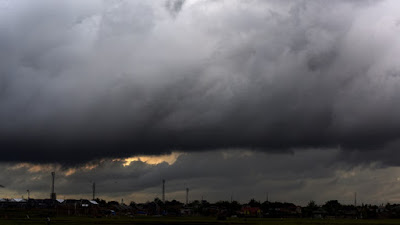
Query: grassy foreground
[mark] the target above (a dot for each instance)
(191, 221)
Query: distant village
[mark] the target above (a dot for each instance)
(222, 210)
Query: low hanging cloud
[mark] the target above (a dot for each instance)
(115, 78)
(217, 175)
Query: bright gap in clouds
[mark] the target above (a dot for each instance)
(152, 160)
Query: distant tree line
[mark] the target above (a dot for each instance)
(220, 209)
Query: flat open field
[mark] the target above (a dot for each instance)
(191, 221)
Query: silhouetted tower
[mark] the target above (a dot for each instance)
(355, 199)
(94, 190)
(163, 191)
(28, 194)
(53, 195)
(187, 196)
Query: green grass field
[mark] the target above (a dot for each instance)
(190, 221)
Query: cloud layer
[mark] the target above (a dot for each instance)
(82, 81)
(217, 175)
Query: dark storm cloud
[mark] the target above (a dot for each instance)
(174, 6)
(118, 78)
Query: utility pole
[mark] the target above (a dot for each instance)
(355, 199)
(94, 190)
(163, 191)
(53, 195)
(187, 196)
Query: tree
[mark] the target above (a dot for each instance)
(308, 210)
(158, 202)
(235, 206)
(132, 204)
(254, 203)
(332, 207)
(265, 206)
(222, 204)
(311, 205)
(110, 203)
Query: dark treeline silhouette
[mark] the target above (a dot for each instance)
(220, 209)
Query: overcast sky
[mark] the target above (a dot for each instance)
(249, 97)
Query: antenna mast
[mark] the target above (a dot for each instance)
(94, 190)
(355, 199)
(187, 196)
(163, 191)
(53, 195)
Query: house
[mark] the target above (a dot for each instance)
(319, 214)
(186, 211)
(249, 211)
